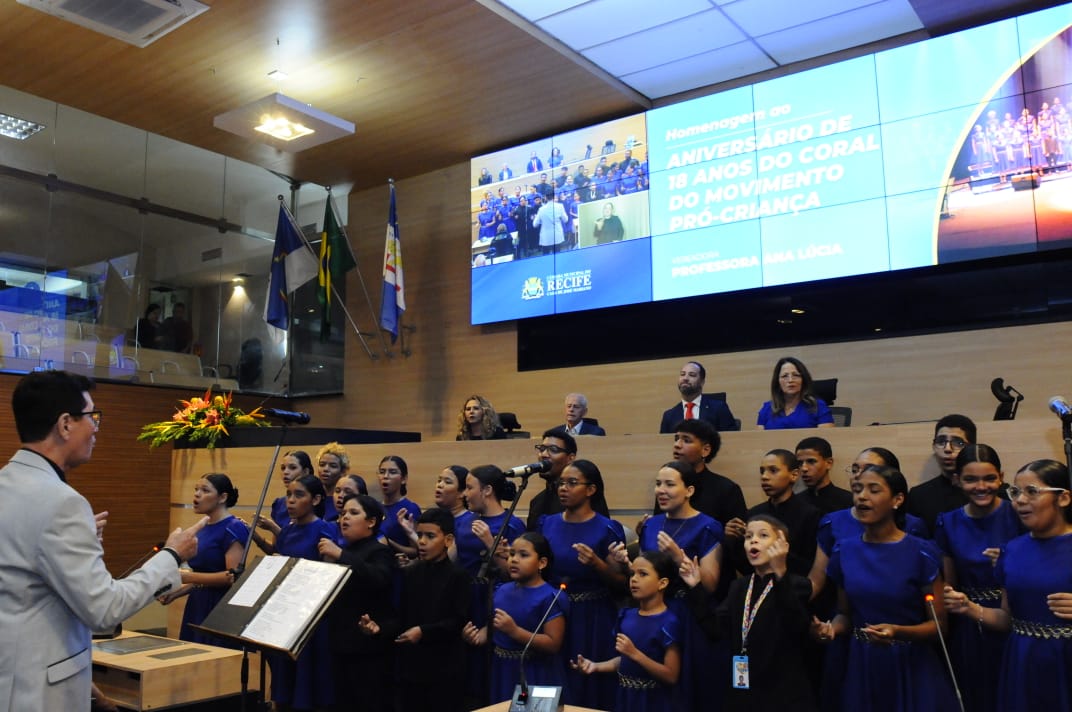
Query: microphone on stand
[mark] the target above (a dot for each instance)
(1061, 407)
(523, 471)
(291, 417)
(929, 598)
(546, 698)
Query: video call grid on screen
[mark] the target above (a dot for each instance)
(951, 149)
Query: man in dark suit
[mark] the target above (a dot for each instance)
(696, 406)
(576, 409)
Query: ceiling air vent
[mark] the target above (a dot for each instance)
(139, 22)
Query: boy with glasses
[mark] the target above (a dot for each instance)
(941, 494)
(560, 449)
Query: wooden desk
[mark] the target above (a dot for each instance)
(160, 677)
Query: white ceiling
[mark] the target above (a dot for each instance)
(673, 46)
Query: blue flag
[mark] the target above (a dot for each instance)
(394, 293)
(293, 264)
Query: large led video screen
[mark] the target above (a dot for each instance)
(952, 149)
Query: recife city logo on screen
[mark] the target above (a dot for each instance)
(566, 283)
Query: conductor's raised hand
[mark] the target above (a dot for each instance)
(184, 541)
(101, 520)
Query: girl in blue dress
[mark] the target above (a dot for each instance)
(685, 533)
(580, 539)
(449, 495)
(971, 539)
(301, 684)
(294, 464)
(394, 473)
(882, 580)
(835, 527)
(647, 640)
(485, 489)
(219, 550)
(345, 486)
(519, 607)
(333, 467)
(1035, 573)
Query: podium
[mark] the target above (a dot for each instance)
(147, 672)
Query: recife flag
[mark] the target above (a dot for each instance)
(293, 264)
(336, 260)
(394, 293)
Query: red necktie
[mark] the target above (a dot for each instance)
(688, 411)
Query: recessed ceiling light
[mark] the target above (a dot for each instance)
(796, 311)
(16, 128)
(277, 75)
(292, 125)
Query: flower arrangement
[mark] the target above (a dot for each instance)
(201, 419)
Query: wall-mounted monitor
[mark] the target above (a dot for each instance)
(952, 149)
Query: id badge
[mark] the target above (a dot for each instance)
(740, 672)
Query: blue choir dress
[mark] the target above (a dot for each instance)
(697, 536)
(834, 527)
(526, 605)
(886, 583)
(971, 647)
(471, 554)
(279, 512)
(302, 683)
(1036, 671)
(592, 609)
(652, 635)
(213, 541)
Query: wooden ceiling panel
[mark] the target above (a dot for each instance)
(427, 84)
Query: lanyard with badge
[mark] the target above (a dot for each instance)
(739, 673)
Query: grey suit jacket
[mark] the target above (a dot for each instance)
(55, 589)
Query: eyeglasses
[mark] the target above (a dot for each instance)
(95, 416)
(1032, 491)
(955, 443)
(571, 483)
(553, 449)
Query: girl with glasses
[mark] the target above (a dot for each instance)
(792, 404)
(1035, 574)
(581, 539)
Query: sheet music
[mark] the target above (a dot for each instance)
(286, 614)
(258, 581)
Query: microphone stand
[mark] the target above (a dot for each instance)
(941, 639)
(1066, 433)
(238, 571)
(484, 573)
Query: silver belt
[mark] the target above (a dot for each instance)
(859, 634)
(1041, 630)
(636, 683)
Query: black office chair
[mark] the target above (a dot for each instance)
(591, 421)
(509, 423)
(842, 416)
(825, 389)
(1008, 399)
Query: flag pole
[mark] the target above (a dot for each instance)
(335, 294)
